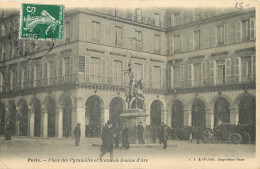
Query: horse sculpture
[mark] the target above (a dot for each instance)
(135, 90)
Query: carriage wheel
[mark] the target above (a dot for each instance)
(246, 137)
(235, 138)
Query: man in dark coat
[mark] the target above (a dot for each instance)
(165, 136)
(77, 134)
(8, 131)
(107, 138)
(161, 133)
(140, 131)
(116, 134)
(125, 143)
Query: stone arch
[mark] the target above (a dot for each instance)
(177, 114)
(221, 111)
(212, 102)
(94, 115)
(190, 102)
(22, 118)
(247, 110)
(156, 111)
(2, 118)
(240, 97)
(116, 107)
(11, 118)
(198, 113)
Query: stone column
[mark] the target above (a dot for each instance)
(31, 121)
(60, 123)
(168, 118)
(234, 115)
(187, 117)
(148, 120)
(209, 118)
(81, 119)
(105, 117)
(45, 123)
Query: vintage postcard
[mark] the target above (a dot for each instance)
(129, 84)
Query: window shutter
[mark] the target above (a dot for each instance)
(226, 33)
(111, 71)
(87, 68)
(202, 38)
(213, 72)
(112, 35)
(253, 68)
(145, 75)
(125, 75)
(181, 72)
(252, 28)
(237, 71)
(181, 42)
(214, 36)
(228, 70)
(89, 30)
(104, 70)
(102, 33)
(203, 73)
(71, 66)
(163, 78)
(238, 31)
(151, 76)
(169, 76)
(1, 82)
(192, 41)
(171, 44)
(172, 20)
(71, 30)
(190, 75)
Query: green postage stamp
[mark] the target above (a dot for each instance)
(41, 21)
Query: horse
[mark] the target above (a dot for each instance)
(137, 92)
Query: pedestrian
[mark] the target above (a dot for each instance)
(77, 134)
(107, 138)
(199, 134)
(8, 131)
(165, 137)
(153, 133)
(140, 131)
(192, 133)
(161, 133)
(116, 135)
(125, 143)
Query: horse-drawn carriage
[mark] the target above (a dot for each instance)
(235, 134)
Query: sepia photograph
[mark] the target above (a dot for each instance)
(128, 85)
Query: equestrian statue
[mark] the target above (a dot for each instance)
(135, 88)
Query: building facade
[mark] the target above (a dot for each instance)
(197, 66)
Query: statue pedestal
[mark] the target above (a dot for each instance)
(132, 117)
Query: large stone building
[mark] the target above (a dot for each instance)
(197, 66)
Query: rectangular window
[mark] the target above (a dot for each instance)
(221, 74)
(197, 74)
(245, 30)
(118, 74)
(67, 31)
(118, 12)
(237, 71)
(220, 35)
(252, 28)
(96, 31)
(118, 36)
(138, 38)
(177, 45)
(228, 71)
(238, 31)
(95, 70)
(203, 73)
(157, 77)
(176, 77)
(138, 14)
(157, 19)
(197, 39)
(190, 75)
(138, 71)
(157, 43)
(175, 19)
(213, 72)
(182, 72)
(82, 64)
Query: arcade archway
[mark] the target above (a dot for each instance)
(94, 107)
(156, 113)
(177, 119)
(22, 118)
(247, 110)
(115, 109)
(37, 117)
(12, 116)
(2, 118)
(221, 111)
(198, 114)
(51, 110)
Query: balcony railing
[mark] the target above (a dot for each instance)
(229, 80)
(74, 79)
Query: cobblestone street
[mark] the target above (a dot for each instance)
(57, 151)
